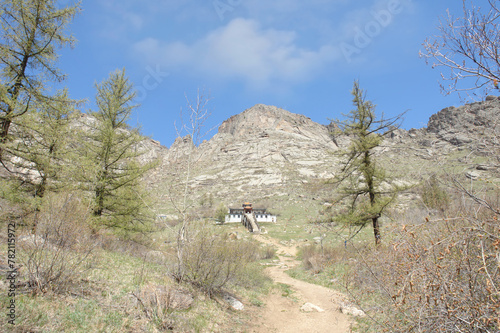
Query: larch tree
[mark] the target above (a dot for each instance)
(43, 139)
(32, 30)
(112, 169)
(362, 182)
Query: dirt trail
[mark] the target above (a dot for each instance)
(283, 314)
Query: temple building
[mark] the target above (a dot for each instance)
(235, 215)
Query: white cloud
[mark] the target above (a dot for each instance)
(241, 50)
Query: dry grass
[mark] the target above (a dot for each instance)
(266, 252)
(76, 281)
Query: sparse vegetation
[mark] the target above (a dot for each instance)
(57, 252)
(433, 195)
(211, 261)
(74, 190)
(285, 289)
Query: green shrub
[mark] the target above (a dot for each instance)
(220, 213)
(433, 195)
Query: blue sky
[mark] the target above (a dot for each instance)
(297, 55)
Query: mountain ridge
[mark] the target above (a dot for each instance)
(268, 152)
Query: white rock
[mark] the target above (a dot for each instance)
(309, 307)
(234, 303)
(472, 175)
(346, 308)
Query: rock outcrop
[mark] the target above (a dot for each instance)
(262, 119)
(267, 152)
(467, 123)
(262, 151)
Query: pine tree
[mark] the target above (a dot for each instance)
(112, 170)
(363, 182)
(31, 31)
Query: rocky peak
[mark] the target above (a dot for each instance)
(463, 124)
(261, 120)
(267, 153)
(181, 142)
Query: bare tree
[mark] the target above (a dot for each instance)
(192, 127)
(198, 113)
(468, 49)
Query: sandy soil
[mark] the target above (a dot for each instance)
(283, 314)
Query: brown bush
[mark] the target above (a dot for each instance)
(437, 276)
(210, 260)
(315, 257)
(267, 252)
(158, 302)
(57, 251)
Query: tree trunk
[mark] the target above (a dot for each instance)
(99, 195)
(371, 192)
(4, 130)
(15, 91)
(376, 231)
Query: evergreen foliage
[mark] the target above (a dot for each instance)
(31, 32)
(111, 150)
(433, 195)
(221, 212)
(42, 145)
(363, 182)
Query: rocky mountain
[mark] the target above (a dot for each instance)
(267, 154)
(262, 119)
(468, 123)
(284, 161)
(264, 151)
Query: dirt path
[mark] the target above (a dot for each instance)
(283, 314)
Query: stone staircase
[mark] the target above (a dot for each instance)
(250, 222)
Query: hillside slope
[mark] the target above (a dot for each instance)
(268, 155)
